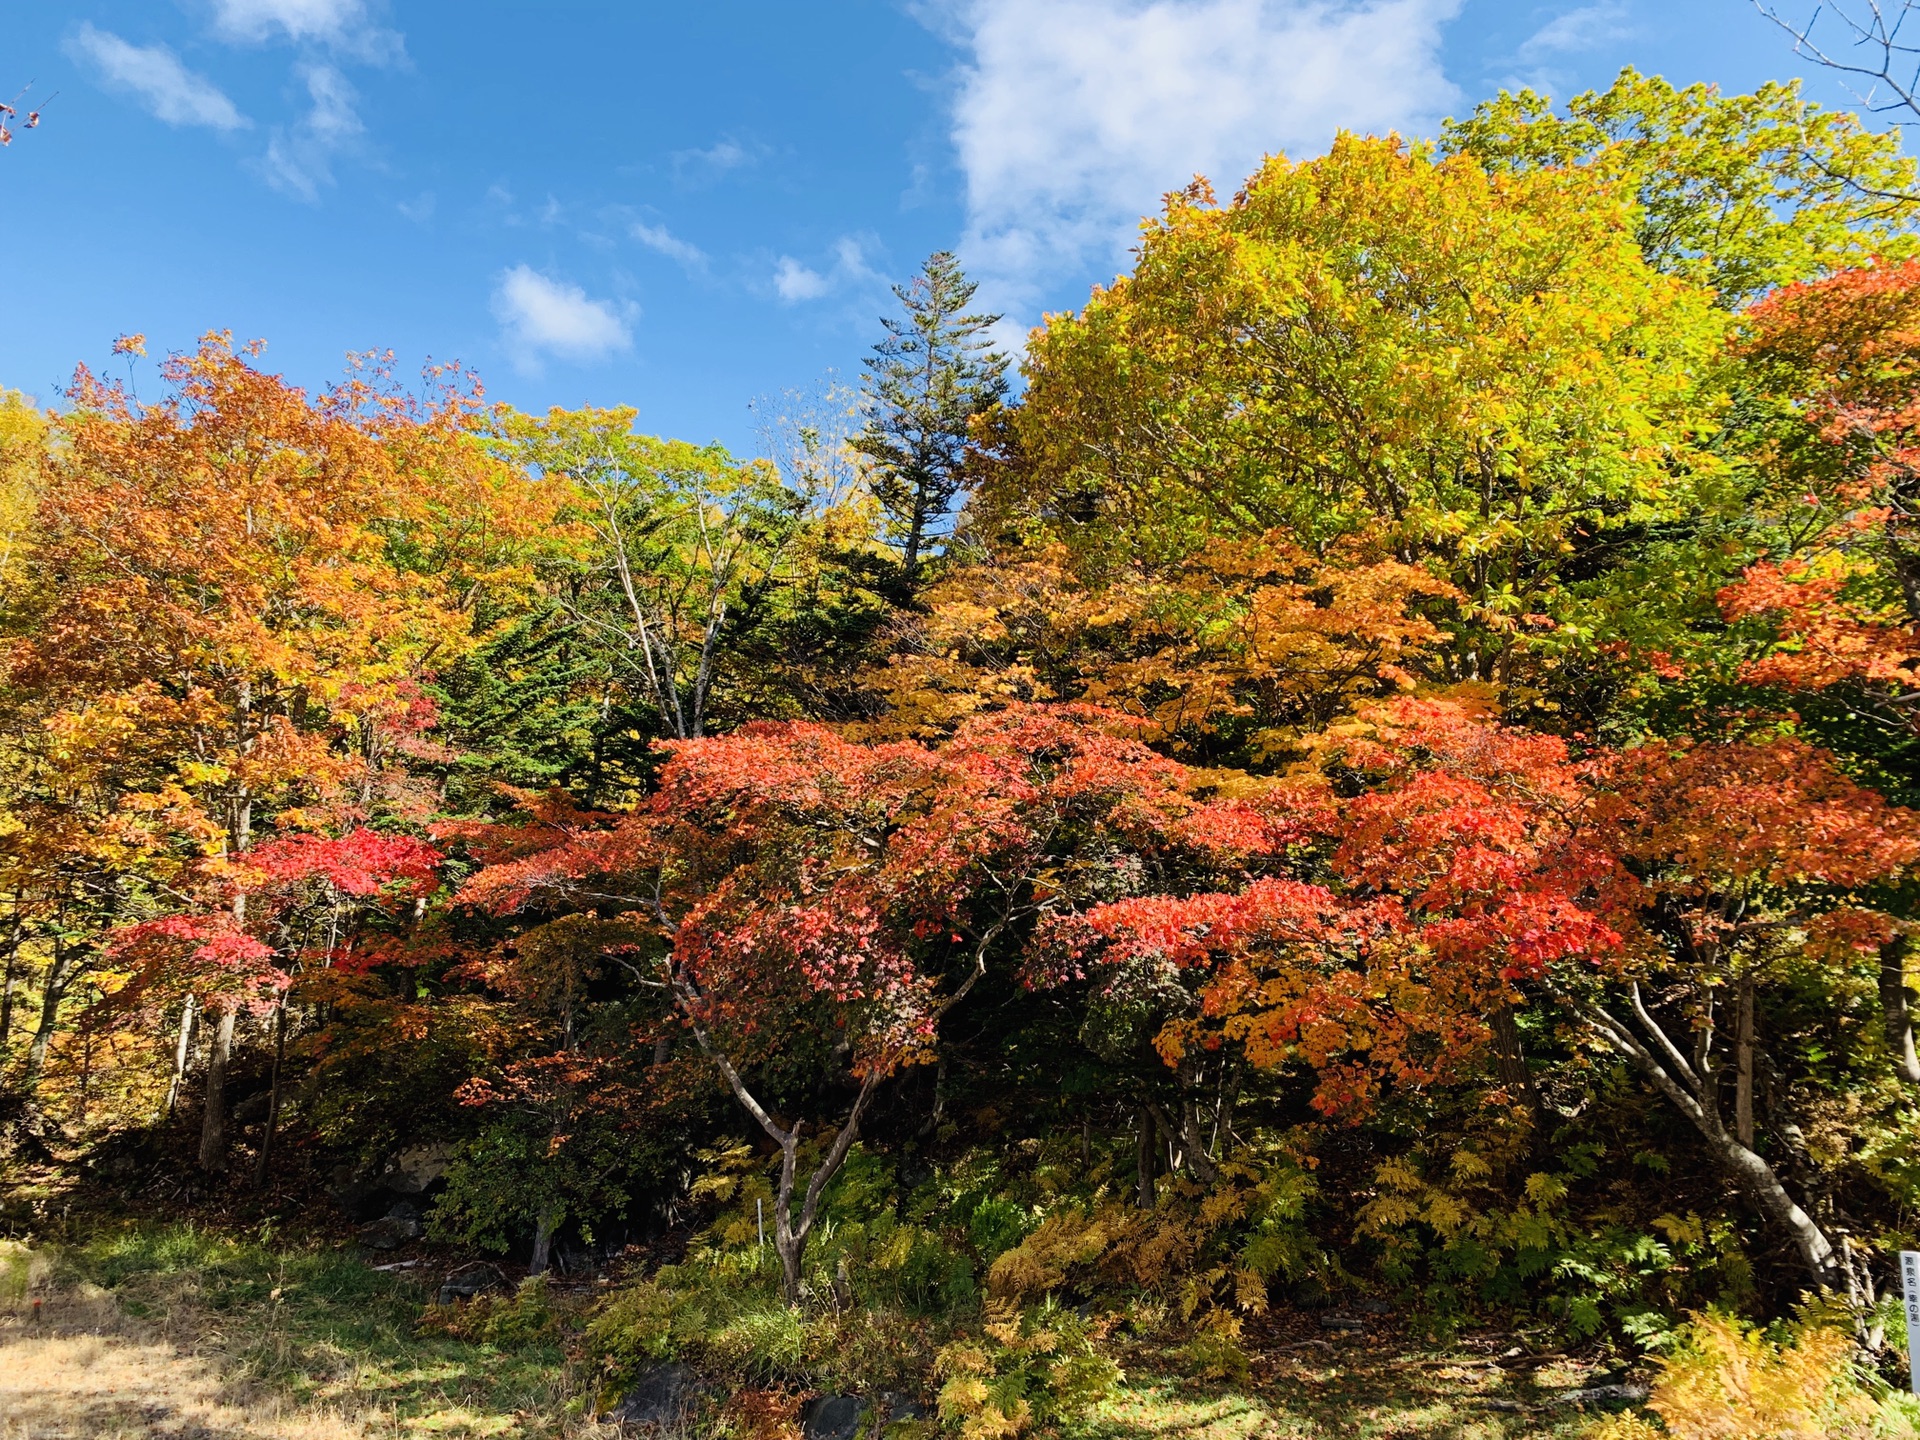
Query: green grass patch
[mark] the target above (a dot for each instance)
(327, 1328)
(1370, 1403)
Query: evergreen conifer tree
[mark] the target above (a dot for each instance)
(925, 382)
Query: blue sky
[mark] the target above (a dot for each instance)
(684, 206)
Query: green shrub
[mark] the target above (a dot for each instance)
(507, 1322)
(1038, 1370)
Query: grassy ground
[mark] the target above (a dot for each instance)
(170, 1331)
(1363, 1402)
(174, 1323)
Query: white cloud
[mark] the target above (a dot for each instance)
(794, 281)
(300, 161)
(542, 316)
(342, 24)
(154, 73)
(664, 241)
(1586, 28)
(1073, 117)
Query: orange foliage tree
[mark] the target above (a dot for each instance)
(238, 593)
(1395, 916)
(1240, 649)
(1842, 589)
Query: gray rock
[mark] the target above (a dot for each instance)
(1625, 1394)
(392, 1230)
(1603, 1395)
(417, 1168)
(898, 1409)
(832, 1417)
(662, 1395)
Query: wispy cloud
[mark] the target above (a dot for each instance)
(299, 161)
(343, 25)
(663, 241)
(154, 75)
(1073, 117)
(794, 281)
(710, 162)
(540, 317)
(1586, 28)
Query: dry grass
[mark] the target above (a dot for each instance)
(189, 1354)
(83, 1371)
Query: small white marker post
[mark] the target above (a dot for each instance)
(760, 1214)
(1910, 1284)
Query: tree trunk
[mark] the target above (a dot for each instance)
(916, 530)
(1511, 1060)
(213, 1123)
(789, 1235)
(1145, 1198)
(543, 1241)
(1743, 1065)
(1185, 1134)
(6, 993)
(61, 972)
(1896, 1004)
(273, 1095)
(1676, 1078)
(180, 1051)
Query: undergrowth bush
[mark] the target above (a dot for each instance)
(1724, 1379)
(525, 1317)
(1032, 1370)
(997, 1278)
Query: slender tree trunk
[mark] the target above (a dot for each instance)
(6, 1013)
(180, 1051)
(790, 1234)
(213, 1123)
(273, 1095)
(931, 1124)
(1896, 1004)
(1194, 1143)
(1661, 1061)
(61, 971)
(1185, 1133)
(6, 993)
(1148, 1158)
(1743, 1064)
(916, 531)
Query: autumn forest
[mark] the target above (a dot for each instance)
(1363, 780)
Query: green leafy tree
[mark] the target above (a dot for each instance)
(936, 370)
(1739, 192)
(1473, 372)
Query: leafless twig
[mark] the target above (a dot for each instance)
(1872, 42)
